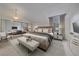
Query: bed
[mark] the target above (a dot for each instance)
(45, 39)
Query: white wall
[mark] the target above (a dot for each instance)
(9, 24)
(75, 18)
(6, 25)
(2, 25)
(72, 17)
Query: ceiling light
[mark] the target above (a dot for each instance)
(15, 17)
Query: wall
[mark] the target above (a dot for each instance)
(75, 37)
(2, 25)
(9, 25)
(75, 18)
(6, 25)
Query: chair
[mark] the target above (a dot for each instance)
(3, 35)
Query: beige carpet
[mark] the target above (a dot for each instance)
(11, 48)
(6, 49)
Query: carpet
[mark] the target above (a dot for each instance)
(11, 48)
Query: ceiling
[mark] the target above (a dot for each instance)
(37, 13)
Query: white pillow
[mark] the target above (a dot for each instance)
(51, 34)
